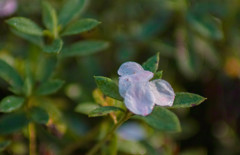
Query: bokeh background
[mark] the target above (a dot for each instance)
(199, 45)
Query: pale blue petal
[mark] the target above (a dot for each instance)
(127, 80)
(132, 131)
(163, 92)
(129, 68)
(139, 99)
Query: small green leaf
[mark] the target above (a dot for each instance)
(157, 75)
(131, 147)
(102, 111)
(86, 108)
(162, 119)
(84, 48)
(25, 25)
(70, 10)
(4, 144)
(185, 100)
(10, 75)
(49, 87)
(49, 16)
(54, 47)
(12, 122)
(108, 87)
(39, 115)
(152, 63)
(11, 103)
(80, 26)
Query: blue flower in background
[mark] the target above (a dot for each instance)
(140, 95)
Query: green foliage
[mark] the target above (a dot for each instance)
(11, 103)
(86, 108)
(152, 63)
(38, 115)
(4, 144)
(84, 48)
(10, 75)
(158, 75)
(49, 87)
(25, 25)
(80, 26)
(12, 122)
(185, 100)
(104, 110)
(162, 119)
(55, 47)
(49, 16)
(108, 87)
(70, 10)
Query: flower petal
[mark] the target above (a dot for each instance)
(163, 92)
(127, 80)
(129, 68)
(139, 99)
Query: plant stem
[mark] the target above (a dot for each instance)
(125, 117)
(32, 139)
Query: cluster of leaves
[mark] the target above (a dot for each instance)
(162, 118)
(58, 26)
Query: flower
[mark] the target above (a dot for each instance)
(139, 93)
(7, 7)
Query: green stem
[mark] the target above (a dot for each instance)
(32, 139)
(125, 117)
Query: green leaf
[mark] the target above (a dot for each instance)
(49, 16)
(86, 108)
(158, 75)
(70, 10)
(152, 63)
(49, 87)
(25, 25)
(55, 47)
(108, 87)
(11, 103)
(131, 147)
(102, 111)
(4, 144)
(39, 115)
(80, 26)
(12, 122)
(37, 40)
(10, 75)
(84, 48)
(185, 100)
(162, 119)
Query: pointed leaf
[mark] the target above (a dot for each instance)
(25, 25)
(108, 87)
(39, 115)
(70, 10)
(101, 111)
(80, 26)
(49, 16)
(152, 63)
(11, 103)
(185, 100)
(10, 75)
(12, 123)
(49, 87)
(86, 108)
(157, 75)
(162, 119)
(54, 47)
(84, 48)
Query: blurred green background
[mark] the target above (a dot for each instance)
(199, 45)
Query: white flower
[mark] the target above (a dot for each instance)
(140, 95)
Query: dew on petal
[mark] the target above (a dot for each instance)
(139, 99)
(129, 68)
(163, 92)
